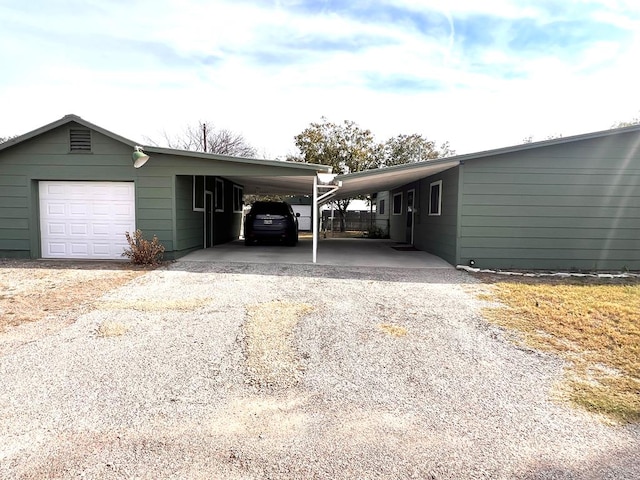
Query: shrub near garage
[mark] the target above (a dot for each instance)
(142, 251)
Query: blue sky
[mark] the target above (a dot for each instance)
(477, 74)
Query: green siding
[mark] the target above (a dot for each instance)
(189, 224)
(47, 157)
(437, 234)
(573, 206)
(163, 189)
(433, 234)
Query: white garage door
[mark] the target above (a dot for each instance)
(86, 219)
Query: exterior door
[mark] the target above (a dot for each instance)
(411, 194)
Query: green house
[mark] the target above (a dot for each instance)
(70, 190)
(565, 204)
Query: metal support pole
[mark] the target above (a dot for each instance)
(315, 218)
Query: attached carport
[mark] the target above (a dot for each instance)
(272, 177)
(324, 190)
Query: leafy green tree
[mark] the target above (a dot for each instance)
(628, 123)
(412, 148)
(348, 148)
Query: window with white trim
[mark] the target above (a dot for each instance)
(198, 193)
(435, 198)
(397, 203)
(380, 207)
(237, 199)
(219, 195)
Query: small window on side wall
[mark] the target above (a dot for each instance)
(381, 207)
(397, 204)
(219, 195)
(237, 199)
(198, 193)
(435, 198)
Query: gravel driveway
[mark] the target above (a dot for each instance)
(237, 371)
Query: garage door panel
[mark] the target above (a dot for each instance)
(118, 230)
(56, 209)
(78, 230)
(100, 230)
(102, 250)
(56, 229)
(86, 219)
(79, 249)
(77, 209)
(101, 210)
(53, 189)
(56, 249)
(122, 210)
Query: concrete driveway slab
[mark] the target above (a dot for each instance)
(351, 252)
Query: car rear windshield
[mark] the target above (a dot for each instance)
(272, 208)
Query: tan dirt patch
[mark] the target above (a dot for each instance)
(271, 356)
(393, 330)
(40, 297)
(111, 329)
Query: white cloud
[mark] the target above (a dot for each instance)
(267, 70)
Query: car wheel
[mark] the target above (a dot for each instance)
(248, 242)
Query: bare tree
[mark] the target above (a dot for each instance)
(205, 137)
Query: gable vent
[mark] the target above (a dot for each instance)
(80, 140)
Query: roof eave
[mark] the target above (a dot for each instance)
(229, 158)
(61, 122)
(549, 143)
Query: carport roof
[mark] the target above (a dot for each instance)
(382, 179)
(290, 178)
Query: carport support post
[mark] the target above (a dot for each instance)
(326, 179)
(314, 218)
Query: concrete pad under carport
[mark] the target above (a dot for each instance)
(352, 252)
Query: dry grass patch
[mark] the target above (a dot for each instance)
(111, 329)
(393, 330)
(145, 305)
(594, 327)
(271, 356)
(32, 290)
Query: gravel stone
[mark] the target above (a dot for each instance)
(452, 398)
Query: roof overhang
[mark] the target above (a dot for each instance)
(382, 179)
(275, 177)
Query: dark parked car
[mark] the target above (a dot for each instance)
(271, 221)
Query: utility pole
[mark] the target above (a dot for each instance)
(204, 137)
